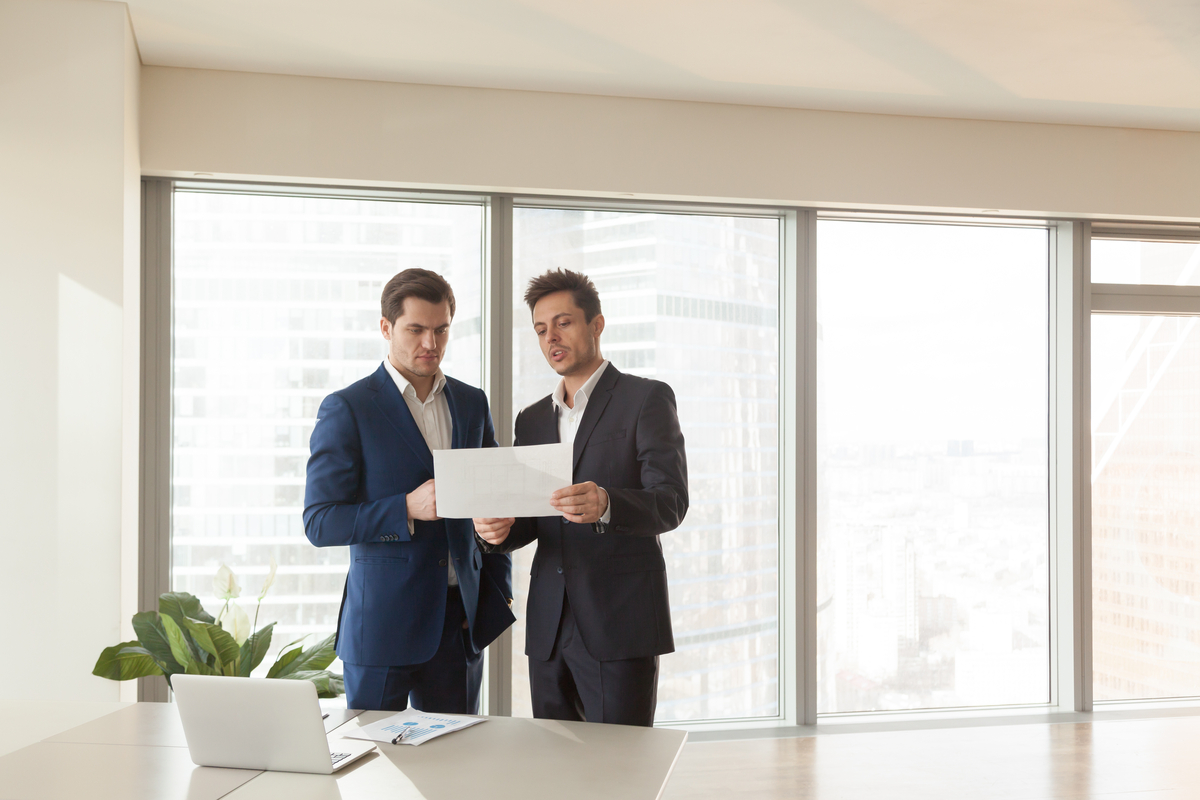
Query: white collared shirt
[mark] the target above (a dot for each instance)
(569, 418)
(433, 420)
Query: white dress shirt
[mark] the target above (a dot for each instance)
(568, 418)
(433, 420)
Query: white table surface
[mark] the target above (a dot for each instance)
(139, 752)
(501, 759)
(74, 771)
(25, 722)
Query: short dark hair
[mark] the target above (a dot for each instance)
(582, 290)
(416, 282)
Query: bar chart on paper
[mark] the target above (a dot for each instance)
(415, 726)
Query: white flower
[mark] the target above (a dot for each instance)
(225, 585)
(236, 623)
(270, 579)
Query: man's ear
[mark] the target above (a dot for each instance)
(599, 323)
(385, 328)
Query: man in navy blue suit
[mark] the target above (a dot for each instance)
(421, 601)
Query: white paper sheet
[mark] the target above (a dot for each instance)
(500, 481)
(417, 727)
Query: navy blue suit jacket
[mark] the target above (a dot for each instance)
(367, 454)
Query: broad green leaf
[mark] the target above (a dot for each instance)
(199, 668)
(317, 657)
(283, 662)
(178, 605)
(228, 651)
(153, 637)
(213, 640)
(124, 661)
(329, 684)
(179, 646)
(254, 650)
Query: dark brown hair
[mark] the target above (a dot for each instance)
(582, 290)
(416, 282)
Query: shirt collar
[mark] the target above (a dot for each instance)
(582, 394)
(439, 382)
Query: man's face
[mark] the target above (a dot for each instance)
(417, 342)
(568, 341)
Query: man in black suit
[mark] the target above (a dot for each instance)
(598, 616)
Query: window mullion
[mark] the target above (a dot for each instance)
(498, 380)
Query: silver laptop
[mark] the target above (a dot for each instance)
(256, 723)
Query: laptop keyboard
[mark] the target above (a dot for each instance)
(339, 756)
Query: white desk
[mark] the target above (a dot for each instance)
(25, 722)
(139, 752)
(505, 758)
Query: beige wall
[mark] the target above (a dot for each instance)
(68, 243)
(325, 130)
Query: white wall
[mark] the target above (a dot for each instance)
(68, 251)
(251, 125)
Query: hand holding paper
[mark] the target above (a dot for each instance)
(493, 530)
(584, 502)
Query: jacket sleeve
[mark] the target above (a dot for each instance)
(333, 514)
(660, 505)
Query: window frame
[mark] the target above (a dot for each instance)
(1072, 298)
(1131, 299)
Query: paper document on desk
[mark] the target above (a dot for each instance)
(415, 727)
(501, 481)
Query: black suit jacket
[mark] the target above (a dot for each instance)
(629, 443)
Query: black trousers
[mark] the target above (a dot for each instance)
(448, 683)
(572, 685)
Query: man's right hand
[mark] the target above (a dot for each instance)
(493, 530)
(422, 502)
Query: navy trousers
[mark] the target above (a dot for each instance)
(448, 683)
(572, 685)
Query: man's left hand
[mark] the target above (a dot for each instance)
(583, 502)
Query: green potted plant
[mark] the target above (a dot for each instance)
(182, 637)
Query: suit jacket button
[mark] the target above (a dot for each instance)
(560, 570)
(442, 563)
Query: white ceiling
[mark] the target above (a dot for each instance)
(1105, 62)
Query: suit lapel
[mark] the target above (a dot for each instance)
(457, 432)
(395, 411)
(595, 408)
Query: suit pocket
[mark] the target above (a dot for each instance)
(381, 560)
(606, 437)
(649, 562)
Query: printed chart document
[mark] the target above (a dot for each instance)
(413, 727)
(501, 481)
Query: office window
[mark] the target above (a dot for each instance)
(933, 577)
(693, 301)
(1162, 263)
(277, 305)
(1145, 484)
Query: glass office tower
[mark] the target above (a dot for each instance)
(693, 301)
